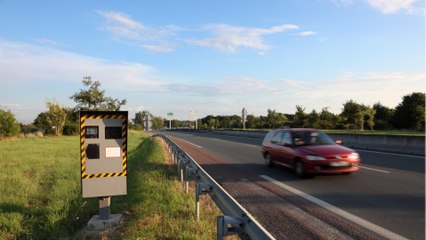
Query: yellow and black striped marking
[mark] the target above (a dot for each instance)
(102, 115)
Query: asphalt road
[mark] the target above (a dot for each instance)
(384, 199)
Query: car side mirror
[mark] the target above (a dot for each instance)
(339, 142)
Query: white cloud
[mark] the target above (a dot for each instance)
(225, 37)
(123, 27)
(229, 86)
(393, 6)
(157, 48)
(230, 38)
(305, 34)
(389, 6)
(30, 74)
(47, 41)
(370, 88)
(122, 19)
(342, 2)
(26, 63)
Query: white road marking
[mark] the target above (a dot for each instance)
(393, 154)
(195, 145)
(371, 226)
(254, 146)
(374, 169)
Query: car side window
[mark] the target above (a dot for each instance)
(276, 139)
(286, 138)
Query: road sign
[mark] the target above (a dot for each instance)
(170, 116)
(244, 115)
(147, 124)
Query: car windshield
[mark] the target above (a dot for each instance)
(311, 138)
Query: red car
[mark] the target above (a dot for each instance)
(308, 151)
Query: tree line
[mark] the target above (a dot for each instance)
(408, 115)
(58, 120)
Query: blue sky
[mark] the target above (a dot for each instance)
(212, 57)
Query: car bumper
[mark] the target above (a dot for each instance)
(328, 168)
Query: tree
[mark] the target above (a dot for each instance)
(383, 116)
(328, 120)
(157, 122)
(275, 119)
(253, 121)
(410, 113)
(301, 118)
(369, 113)
(56, 116)
(355, 115)
(72, 123)
(313, 119)
(213, 123)
(42, 124)
(94, 98)
(352, 115)
(9, 126)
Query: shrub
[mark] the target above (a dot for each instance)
(70, 129)
(8, 124)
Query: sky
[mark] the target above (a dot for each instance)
(211, 57)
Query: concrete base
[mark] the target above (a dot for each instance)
(97, 225)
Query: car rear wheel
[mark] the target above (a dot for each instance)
(299, 169)
(268, 160)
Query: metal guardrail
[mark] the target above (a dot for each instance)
(235, 219)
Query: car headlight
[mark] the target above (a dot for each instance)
(353, 156)
(314, 158)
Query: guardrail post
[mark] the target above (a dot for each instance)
(181, 175)
(227, 225)
(190, 174)
(178, 159)
(200, 189)
(173, 157)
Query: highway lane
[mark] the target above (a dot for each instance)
(389, 191)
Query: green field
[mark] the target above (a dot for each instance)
(41, 197)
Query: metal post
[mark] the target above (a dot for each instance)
(104, 208)
(181, 175)
(244, 116)
(200, 189)
(173, 157)
(186, 187)
(197, 209)
(197, 201)
(178, 164)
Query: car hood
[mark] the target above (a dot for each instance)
(325, 150)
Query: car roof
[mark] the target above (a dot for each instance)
(297, 129)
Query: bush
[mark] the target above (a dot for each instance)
(28, 128)
(137, 127)
(8, 124)
(71, 129)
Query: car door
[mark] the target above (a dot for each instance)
(286, 149)
(275, 148)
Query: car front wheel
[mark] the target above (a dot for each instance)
(268, 160)
(299, 168)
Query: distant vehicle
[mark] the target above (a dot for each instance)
(308, 151)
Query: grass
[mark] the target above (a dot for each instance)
(41, 197)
